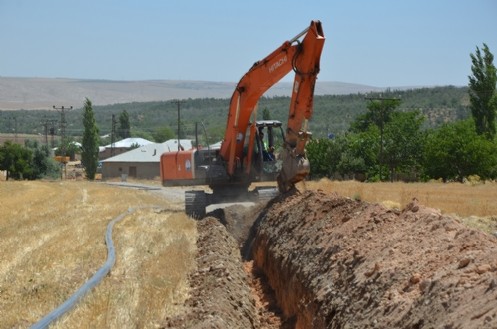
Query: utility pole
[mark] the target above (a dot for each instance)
(112, 135)
(45, 130)
(63, 122)
(48, 128)
(52, 132)
(178, 103)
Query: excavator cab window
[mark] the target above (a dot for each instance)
(266, 148)
(268, 143)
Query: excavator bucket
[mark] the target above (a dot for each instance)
(294, 169)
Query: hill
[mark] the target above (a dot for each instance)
(332, 113)
(43, 93)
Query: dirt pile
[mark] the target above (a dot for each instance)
(338, 263)
(220, 291)
(227, 291)
(319, 260)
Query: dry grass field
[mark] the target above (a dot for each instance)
(20, 138)
(474, 204)
(52, 241)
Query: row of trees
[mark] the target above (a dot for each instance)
(388, 144)
(33, 161)
(404, 151)
(30, 161)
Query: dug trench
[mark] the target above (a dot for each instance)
(318, 260)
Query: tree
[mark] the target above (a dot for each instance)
(403, 144)
(380, 112)
(360, 154)
(455, 151)
(16, 160)
(482, 93)
(124, 126)
(323, 155)
(42, 164)
(89, 154)
(265, 114)
(162, 134)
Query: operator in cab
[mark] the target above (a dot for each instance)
(267, 151)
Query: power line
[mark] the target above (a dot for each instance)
(63, 123)
(112, 135)
(49, 129)
(63, 135)
(178, 103)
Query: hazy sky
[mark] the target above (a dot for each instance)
(375, 42)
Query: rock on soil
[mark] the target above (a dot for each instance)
(333, 262)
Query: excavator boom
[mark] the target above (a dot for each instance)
(244, 157)
(303, 58)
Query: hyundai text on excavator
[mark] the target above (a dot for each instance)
(244, 156)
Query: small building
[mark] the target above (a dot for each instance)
(121, 146)
(142, 162)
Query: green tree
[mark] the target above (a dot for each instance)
(16, 160)
(482, 93)
(265, 114)
(214, 134)
(89, 154)
(360, 154)
(403, 144)
(323, 155)
(163, 134)
(379, 113)
(143, 134)
(124, 126)
(455, 151)
(42, 164)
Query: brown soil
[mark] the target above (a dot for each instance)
(318, 260)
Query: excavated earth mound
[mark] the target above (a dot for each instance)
(338, 263)
(333, 262)
(220, 292)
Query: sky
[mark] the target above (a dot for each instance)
(381, 43)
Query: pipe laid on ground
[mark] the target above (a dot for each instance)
(90, 284)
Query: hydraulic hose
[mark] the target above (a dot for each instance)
(88, 285)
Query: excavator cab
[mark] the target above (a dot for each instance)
(268, 144)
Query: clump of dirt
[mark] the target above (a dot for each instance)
(339, 263)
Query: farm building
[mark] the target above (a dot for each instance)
(121, 146)
(142, 162)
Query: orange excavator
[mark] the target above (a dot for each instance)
(254, 151)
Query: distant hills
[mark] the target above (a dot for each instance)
(335, 105)
(43, 93)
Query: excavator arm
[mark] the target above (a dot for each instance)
(301, 56)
